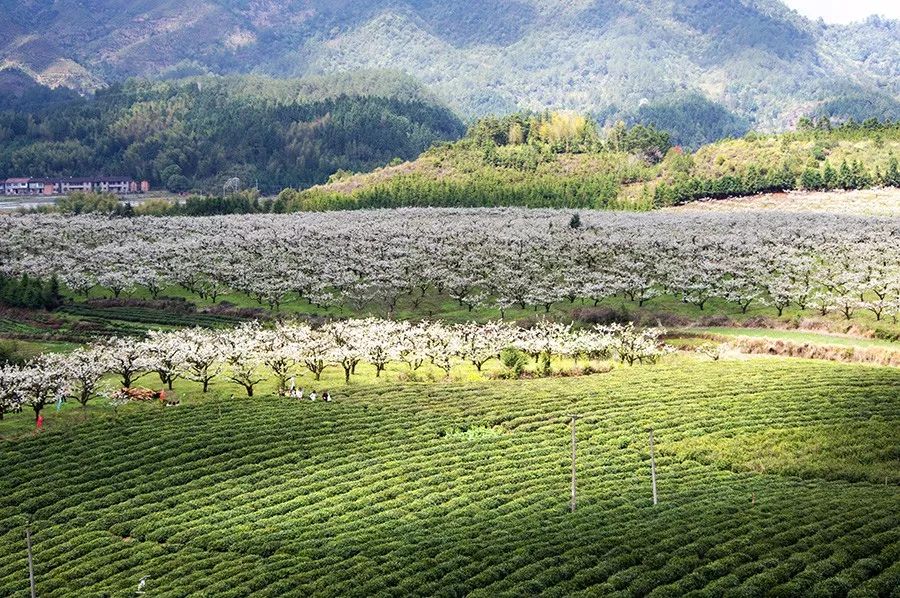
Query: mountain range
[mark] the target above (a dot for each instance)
(721, 66)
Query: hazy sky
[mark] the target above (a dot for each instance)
(845, 11)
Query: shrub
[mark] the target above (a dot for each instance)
(88, 203)
(12, 353)
(544, 367)
(514, 361)
(602, 315)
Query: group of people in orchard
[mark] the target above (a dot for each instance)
(299, 393)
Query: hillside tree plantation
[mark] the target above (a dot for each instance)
(503, 258)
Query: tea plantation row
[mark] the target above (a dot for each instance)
(463, 489)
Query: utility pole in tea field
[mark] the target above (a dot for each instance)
(574, 444)
(30, 560)
(653, 467)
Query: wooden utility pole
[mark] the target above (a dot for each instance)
(574, 444)
(653, 467)
(30, 561)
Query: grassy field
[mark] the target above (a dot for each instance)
(869, 202)
(437, 306)
(776, 477)
(797, 336)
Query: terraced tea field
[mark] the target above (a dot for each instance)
(776, 476)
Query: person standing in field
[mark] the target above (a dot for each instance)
(39, 425)
(312, 396)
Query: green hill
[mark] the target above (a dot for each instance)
(197, 133)
(775, 477)
(755, 61)
(561, 160)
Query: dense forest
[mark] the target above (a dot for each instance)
(195, 134)
(692, 120)
(739, 64)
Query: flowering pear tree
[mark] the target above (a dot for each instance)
(347, 345)
(166, 355)
(203, 355)
(282, 350)
(85, 368)
(545, 338)
(380, 343)
(11, 389)
(43, 382)
(412, 341)
(127, 357)
(442, 346)
(636, 346)
(243, 357)
(478, 344)
(318, 352)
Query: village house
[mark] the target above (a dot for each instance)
(64, 186)
(25, 186)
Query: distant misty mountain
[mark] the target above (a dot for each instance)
(712, 67)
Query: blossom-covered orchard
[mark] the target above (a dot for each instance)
(251, 354)
(500, 258)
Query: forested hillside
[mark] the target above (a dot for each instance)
(720, 66)
(565, 160)
(197, 133)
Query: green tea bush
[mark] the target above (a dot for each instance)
(365, 495)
